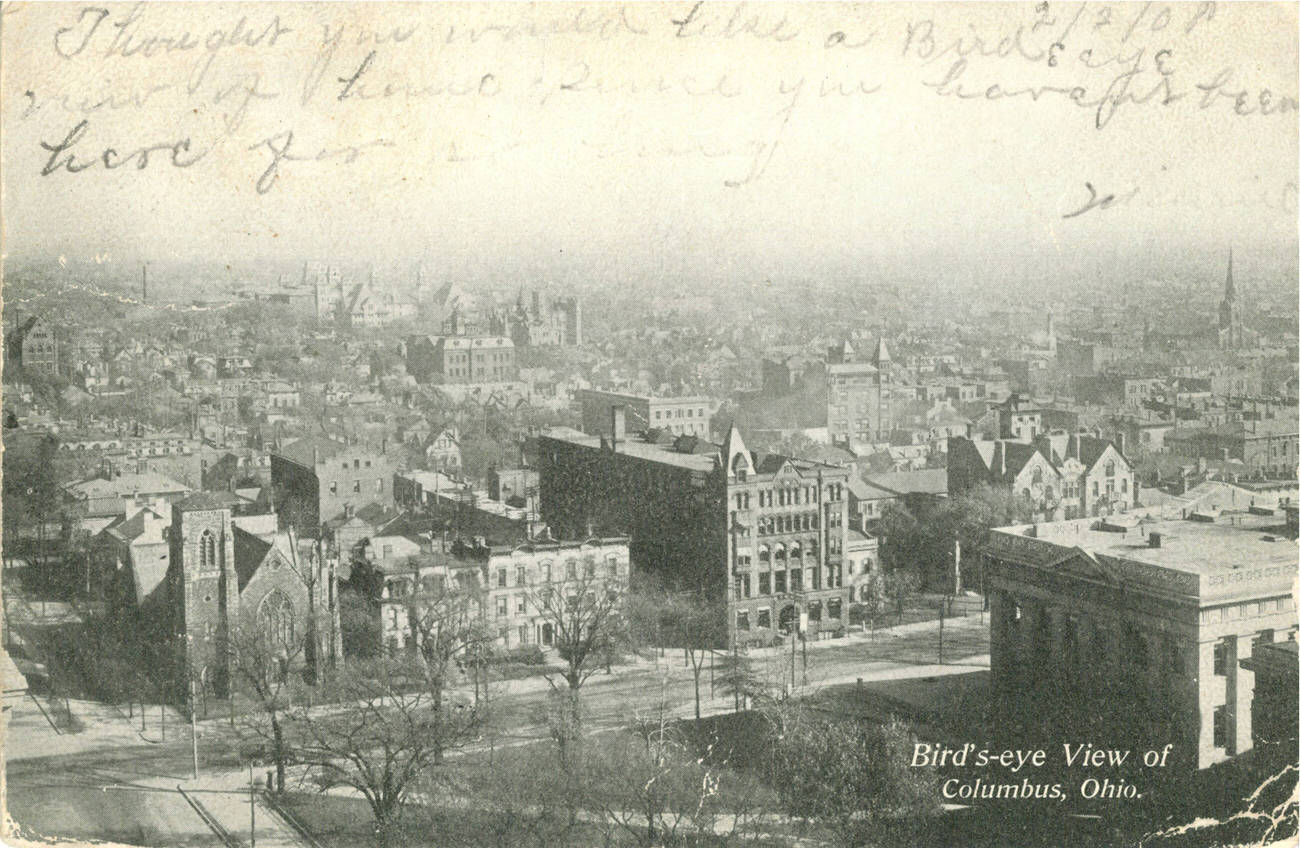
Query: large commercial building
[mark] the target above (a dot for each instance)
(764, 531)
(1151, 614)
(691, 416)
(859, 400)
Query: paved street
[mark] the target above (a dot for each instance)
(113, 782)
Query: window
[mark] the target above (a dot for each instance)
(589, 569)
(611, 565)
(765, 584)
(521, 604)
(764, 618)
(388, 551)
(207, 550)
(833, 608)
(570, 570)
(356, 486)
(521, 575)
(744, 585)
(501, 577)
(356, 463)
(502, 600)
(546, 572)
(742, 621)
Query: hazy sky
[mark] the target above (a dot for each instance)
(742, 139)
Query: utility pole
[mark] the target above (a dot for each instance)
(194, 732)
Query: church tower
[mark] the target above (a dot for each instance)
(1230, 332)
(204, 587)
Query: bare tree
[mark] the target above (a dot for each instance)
(265, 665)
(378, 742)
(447, 627)
(586, 617)
(698, 623)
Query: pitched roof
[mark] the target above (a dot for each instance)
(930, 481)
(208, 500)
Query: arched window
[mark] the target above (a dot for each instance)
(1038, 476)
(1110, 468)
(275, 615)
(207, 550)
(779, 554)
(764, 555)
(796, 552)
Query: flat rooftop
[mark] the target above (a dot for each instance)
(637, 447)
(1216, 556)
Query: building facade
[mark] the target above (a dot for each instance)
(692, 416)
(317, 480)
(227, 586)
(1151, 616)
(461, 359)
(33, 347)
(858, 405)
(501, 584)
(765, 532)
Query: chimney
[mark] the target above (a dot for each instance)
(1119, 443)
(617, 424)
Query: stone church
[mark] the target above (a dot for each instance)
(228, 584)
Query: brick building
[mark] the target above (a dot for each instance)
(1156, 612)
(461, 359)
(678, 415)
(1268, 446)
(764, 531)
(33, 347)
(316, 480)
(501, 582)
(858, 404)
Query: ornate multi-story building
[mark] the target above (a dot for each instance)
(765, 533)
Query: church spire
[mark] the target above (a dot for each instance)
(1229, 292)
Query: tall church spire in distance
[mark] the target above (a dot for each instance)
(1229, 292)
